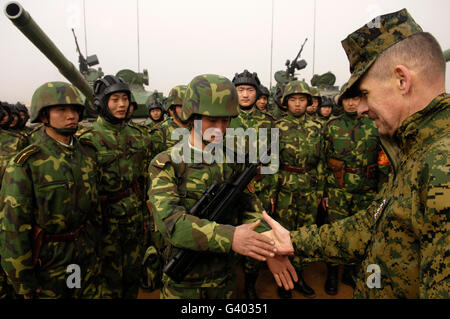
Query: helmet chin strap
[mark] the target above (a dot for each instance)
(63, 131)
(247, 108)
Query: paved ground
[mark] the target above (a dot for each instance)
(315, 276)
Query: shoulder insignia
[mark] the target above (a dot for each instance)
(22, 156)
(161, 160)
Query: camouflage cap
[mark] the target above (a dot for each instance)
(52, 94)
(365, 44)
(296, 87)
(176, 96)
(211, 95)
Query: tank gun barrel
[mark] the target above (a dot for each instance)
(25, 23)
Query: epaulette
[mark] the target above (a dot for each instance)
(334, 118)
(83, 131)
(23, 155)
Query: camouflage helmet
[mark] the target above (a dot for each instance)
(247, 78)
(52, 94)
(296, 87)
(316, 93)
(176, 96)
(327, 101)
(211, 95)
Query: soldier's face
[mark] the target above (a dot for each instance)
(315, 103)
(118, 104)
(261, 103)
(214, 128)
(14, 121)
(155, 114)
(381, 103)
(297, 104)
(312, 109)
(325, 111)
(351, 104)
(178, 109)
(246, 95)
(63, 116)
(5, 118)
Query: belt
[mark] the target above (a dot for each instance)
(64, 237)
(299, 170)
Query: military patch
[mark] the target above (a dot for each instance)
(25, 154)
(161, 160)
(250, 187)
(382, 158)
(379, 210)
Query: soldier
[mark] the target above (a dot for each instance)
(24, 116)
(156, 114)
(50, 215)
(325, 110)
(262, 102)
(247, 86)
(402, 238)
(162, 135)
(11, 143)
(176, 187)
(311, 110)
(300, 180)
(351, 149)
(124, 155)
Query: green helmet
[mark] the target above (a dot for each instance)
(316, 93)
(52, 94)
(176, 96)
(211, 95)
(296, 87)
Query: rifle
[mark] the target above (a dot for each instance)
(291, 67)
(216, 204)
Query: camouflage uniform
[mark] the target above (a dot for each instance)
(177, 187)
(162, 134)
(405, 231)
(49, 196)
(355, 142)
(10, 144)
(161, 140)
(123, 155)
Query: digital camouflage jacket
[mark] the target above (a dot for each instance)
(405, 232)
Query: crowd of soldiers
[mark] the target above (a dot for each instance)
(111, 199)
(113, 181)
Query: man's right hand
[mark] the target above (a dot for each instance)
(249, 243)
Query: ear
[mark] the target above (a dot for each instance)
(403, 79)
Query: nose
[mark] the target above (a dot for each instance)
(363, 108)
(71, 113)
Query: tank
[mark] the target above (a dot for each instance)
(25, 23)
(447, 55)
(85, 77)
(142, 97)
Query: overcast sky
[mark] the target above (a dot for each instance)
(180, 39)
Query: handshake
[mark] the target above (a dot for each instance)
(273, 246)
